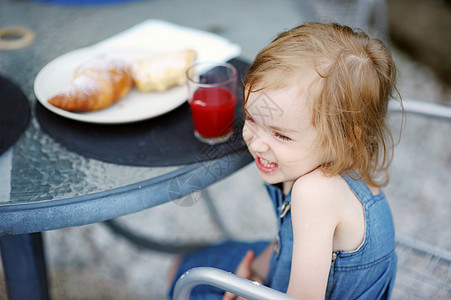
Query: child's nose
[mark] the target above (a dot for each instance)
(257, 142)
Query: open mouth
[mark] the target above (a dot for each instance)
(265, 165)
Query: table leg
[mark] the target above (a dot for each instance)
(24, 266)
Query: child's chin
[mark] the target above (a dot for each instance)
(267, 179)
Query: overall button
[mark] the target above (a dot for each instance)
(284, 209)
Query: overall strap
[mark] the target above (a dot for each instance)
(358, 186)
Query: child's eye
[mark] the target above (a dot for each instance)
(248, 118)
(281, 136)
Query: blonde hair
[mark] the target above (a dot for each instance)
(349, 97)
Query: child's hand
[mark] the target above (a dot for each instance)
(244, 270)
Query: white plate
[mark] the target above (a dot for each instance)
(135, 106)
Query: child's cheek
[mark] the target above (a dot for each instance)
(247, 134)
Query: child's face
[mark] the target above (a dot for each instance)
(279, 133)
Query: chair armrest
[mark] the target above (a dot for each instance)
(226, 281)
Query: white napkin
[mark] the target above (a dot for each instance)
(161, 36)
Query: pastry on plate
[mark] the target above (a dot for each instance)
(96, 84)
(162, 71)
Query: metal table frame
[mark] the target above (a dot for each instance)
(23, 255)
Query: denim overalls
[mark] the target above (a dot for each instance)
(367, 273)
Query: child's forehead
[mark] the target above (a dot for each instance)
(276, 87)
(279, 106)
(276, 99)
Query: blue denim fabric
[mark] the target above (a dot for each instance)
(280, 263)
(367, 273)
(225, 256)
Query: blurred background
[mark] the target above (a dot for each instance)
(91, 262)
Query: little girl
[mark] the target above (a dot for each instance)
(315, 101)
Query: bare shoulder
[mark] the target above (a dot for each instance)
(314, 196)
(332, 205)
(319, 187)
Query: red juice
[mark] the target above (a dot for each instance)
(213, 110)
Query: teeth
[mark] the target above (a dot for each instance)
(267, 163)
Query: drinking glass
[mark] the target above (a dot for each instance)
(212, 95)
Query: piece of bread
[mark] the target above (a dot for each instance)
(96, 84)
(162, 71)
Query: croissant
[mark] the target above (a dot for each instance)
(96, 84)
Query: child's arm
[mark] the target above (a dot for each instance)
(260, 265)
(314, 216)
(253, 268)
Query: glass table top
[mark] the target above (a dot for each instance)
(39, 172)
